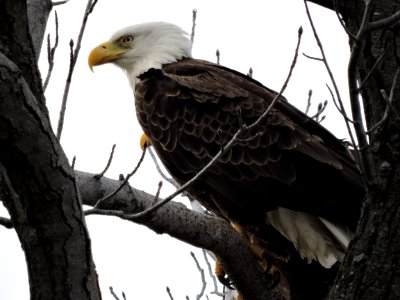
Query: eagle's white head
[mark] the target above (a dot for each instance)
(141, 47)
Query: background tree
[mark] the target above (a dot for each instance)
(40, 190)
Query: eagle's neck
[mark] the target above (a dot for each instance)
(167, 51)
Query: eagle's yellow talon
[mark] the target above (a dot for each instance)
(144, 141)
(219, 271)
(221, 275)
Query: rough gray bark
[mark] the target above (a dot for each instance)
(37, 185)
(371, 269)
(38, 13)
(199, 230)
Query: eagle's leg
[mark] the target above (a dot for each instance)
(271, 272)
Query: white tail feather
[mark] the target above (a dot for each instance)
(315, 238)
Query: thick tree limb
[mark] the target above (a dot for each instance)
(197, 229)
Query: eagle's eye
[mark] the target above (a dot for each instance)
(126, 40)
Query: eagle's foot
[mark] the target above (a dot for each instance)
(144, 141)
(222, 276)
(273, 276)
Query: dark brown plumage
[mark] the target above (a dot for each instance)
(189, 109)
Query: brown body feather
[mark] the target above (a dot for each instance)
(189, 109)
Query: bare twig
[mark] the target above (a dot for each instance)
(105, 212)
(284, 86)
(339, 99)
(98, 176)
(74, 56)
(361, 86)
(7, 223)
(165, 177)
(363, 155)
(378, 125)
(203, 278)
(113, 294)
(337, 105)
(250, 73)
(389, 101)
(73, 162)
(169, 293)
(313, 57)
(157, 196)
(320, 110)
(124, 182)
(393, 19)
(50, 54)
(212, 275)
(308, 102)
(194, 16)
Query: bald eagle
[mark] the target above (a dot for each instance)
(289, 186)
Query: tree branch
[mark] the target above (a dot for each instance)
(101, 174)
(366, 161)
(124, 182)
(197, 229)
(359, 157)
(212, 275)
(203, 278)
(74, 57)
(51, 53)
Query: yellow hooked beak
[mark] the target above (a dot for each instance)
(104, 53)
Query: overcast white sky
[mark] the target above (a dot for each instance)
(100, 113)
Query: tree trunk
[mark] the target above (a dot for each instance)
(37, 185)
(371, 269)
